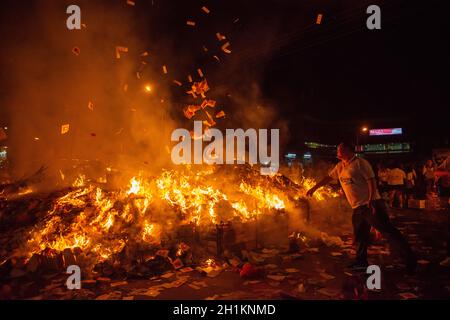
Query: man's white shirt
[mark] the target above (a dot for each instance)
(353, 177)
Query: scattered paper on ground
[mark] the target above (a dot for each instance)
(118, 284)
(327, 276)
(408, 295)
(276, 277)
(336, 254)
(329, 292)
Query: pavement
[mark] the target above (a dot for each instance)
(311, 273)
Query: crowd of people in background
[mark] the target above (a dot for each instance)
(401, 182)
(398, 182)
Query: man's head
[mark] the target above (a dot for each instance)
(345, 151)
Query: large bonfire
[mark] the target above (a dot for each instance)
(96, 225)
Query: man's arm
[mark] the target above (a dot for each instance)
(319, 184)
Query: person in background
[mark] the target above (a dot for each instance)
(382, 175)
(428, 172)
(358, 181)
(443, 178)
(396, 183)
(410, 183)
(443, 174)
(421, 188)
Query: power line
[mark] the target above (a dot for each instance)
(347, 16)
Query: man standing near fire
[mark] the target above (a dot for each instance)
(358, 181)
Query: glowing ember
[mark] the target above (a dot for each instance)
(210, 262)
(79, 182)
(135, 186)
(25, 191)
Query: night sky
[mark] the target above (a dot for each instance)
(347, 76)
(325, 80)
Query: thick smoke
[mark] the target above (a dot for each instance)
(50, 86)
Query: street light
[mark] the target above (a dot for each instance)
(364, 129)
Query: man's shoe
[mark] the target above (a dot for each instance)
(446, 262)
(358, 266)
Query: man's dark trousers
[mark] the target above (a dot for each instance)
(363, 219)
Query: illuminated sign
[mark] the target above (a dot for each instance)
(385, 132)
(400, 147)
(291, 156)
(316, 145)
